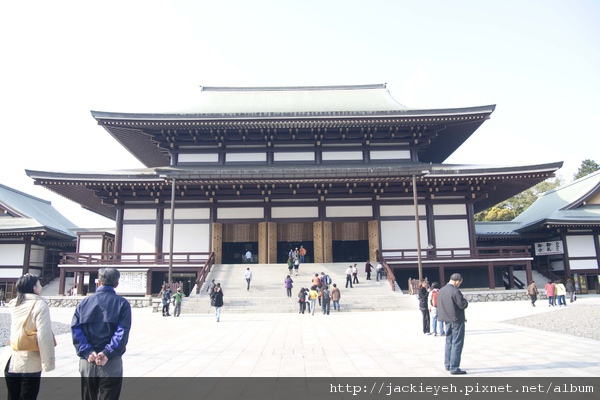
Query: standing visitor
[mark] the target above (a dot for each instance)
(368, 269)
(379, 271)
(288, 283)
(325, 295)
(216, 300)
(335, 297)
(296, 265)
(290, 264)
(532, 291)
(211, 287)
(177, 297)
(165, 294)
(301, 301)
(100, 331)
(248, 277)
(560, 293)
(22, 367)
(550, 289)
(2, 298)
(423, 295)
(349, 276)
(570, 290)
(302, 253)
(355, 274)
(433, 302)
(312, 297)
(451, 310)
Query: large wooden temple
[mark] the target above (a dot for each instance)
(345, 171)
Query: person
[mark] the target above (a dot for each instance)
(2, 298)
(100, 330)
(349, 277)
(532, 291)
(211, 287)
(316, 281)
(217, 301)
(423, 295)
(312, 297)
(560, 293)
(550, 289)
(296, 265)
(177, 302)
(379, 271)
(23, 369)
(451, 310)
(248, 277)
(301, 301)
(355, 274)
(368, 269)
(570, 290)
(325, 279)
(433, 302)
(165, 294)
(248, 256)
(302, 253)
(288, 283)
(290, 264)
(325, 296)
(335, 297)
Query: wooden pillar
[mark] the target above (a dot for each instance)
(318, 241)
(442, 275)
(119, 230)
(62, 281)
(528, 273)
(327, 242)
(149, 283)
(272, 242)
(491, 276)
(263, 239)
(217, 241)
(159, 233)
(373, 239)
(26, 258)
(80, 277)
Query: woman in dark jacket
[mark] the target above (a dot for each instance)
(424, 307)
(289, 284)
(217, 300)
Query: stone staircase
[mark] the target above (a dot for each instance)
(540, 280)
(267, 293)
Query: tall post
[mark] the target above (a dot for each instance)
(172, 231)
(419, 261)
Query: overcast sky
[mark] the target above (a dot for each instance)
(538, 61)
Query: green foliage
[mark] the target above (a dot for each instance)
(587, 167)
(510, 208)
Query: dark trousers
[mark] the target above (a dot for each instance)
(326, 306)
(165, 309)
(101, 383)
(248, 280)
(368, 275)
(355, 278)
(177, 310)
(426, 321)
(22, 386)
(301, 307)
(455, 338)
(348, 280)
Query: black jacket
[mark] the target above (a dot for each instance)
(451, 304)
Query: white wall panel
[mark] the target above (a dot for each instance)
(138, 239)
(342, 155)
(348, 211)
(583, 264)
(90, 244)
(241, 213)
(194, 158)
(401, 211)
(12, 254)
(289, 156)
(390, 155)
(188, 238)
(246, 157)
(581, 246)
(188, 213)
(451, 233)
(137, 214)
(402, 235)
(295, 212)
(449, 209)
(12, 272)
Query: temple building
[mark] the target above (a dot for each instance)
(347, 172)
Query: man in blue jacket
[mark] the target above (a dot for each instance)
(451, 310)
(100, 330)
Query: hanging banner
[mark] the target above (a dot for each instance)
(547, 248)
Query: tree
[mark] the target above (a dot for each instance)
(587, 167)
(510, 208)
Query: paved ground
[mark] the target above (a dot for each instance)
(367, 344)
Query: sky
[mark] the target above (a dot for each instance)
(538, 61)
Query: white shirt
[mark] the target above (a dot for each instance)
(248, 274)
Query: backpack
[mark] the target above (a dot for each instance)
(325, 294)
(434, 296)
(328, 280)
(165, 295)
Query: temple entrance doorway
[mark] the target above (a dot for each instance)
(293, 235)
(238, 240)
(350, 241)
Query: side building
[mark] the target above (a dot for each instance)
(345, 171)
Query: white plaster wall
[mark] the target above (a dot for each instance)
(449, 209)
(402, 235)
(583, 264)
(246, 157)
(188, 213)
(192, 158)
(581, 246)
(241, 213)
(12, 254)
(302, 156)
(295, 212)
(11, 272)
(137, 214)
(342, 155)
(401, 211)
(90, 244)
(390, 155)
(138, 239)
(451, 234)
(348, 211)
(188, 238)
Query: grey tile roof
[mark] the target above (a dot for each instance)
(31, 213)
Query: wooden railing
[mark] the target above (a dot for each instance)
(134, 258)
(388, 271)
(466, 253)
(204, 271)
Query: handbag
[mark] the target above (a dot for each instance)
(27, 340)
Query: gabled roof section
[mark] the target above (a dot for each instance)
(30, 213)
(565, 204)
